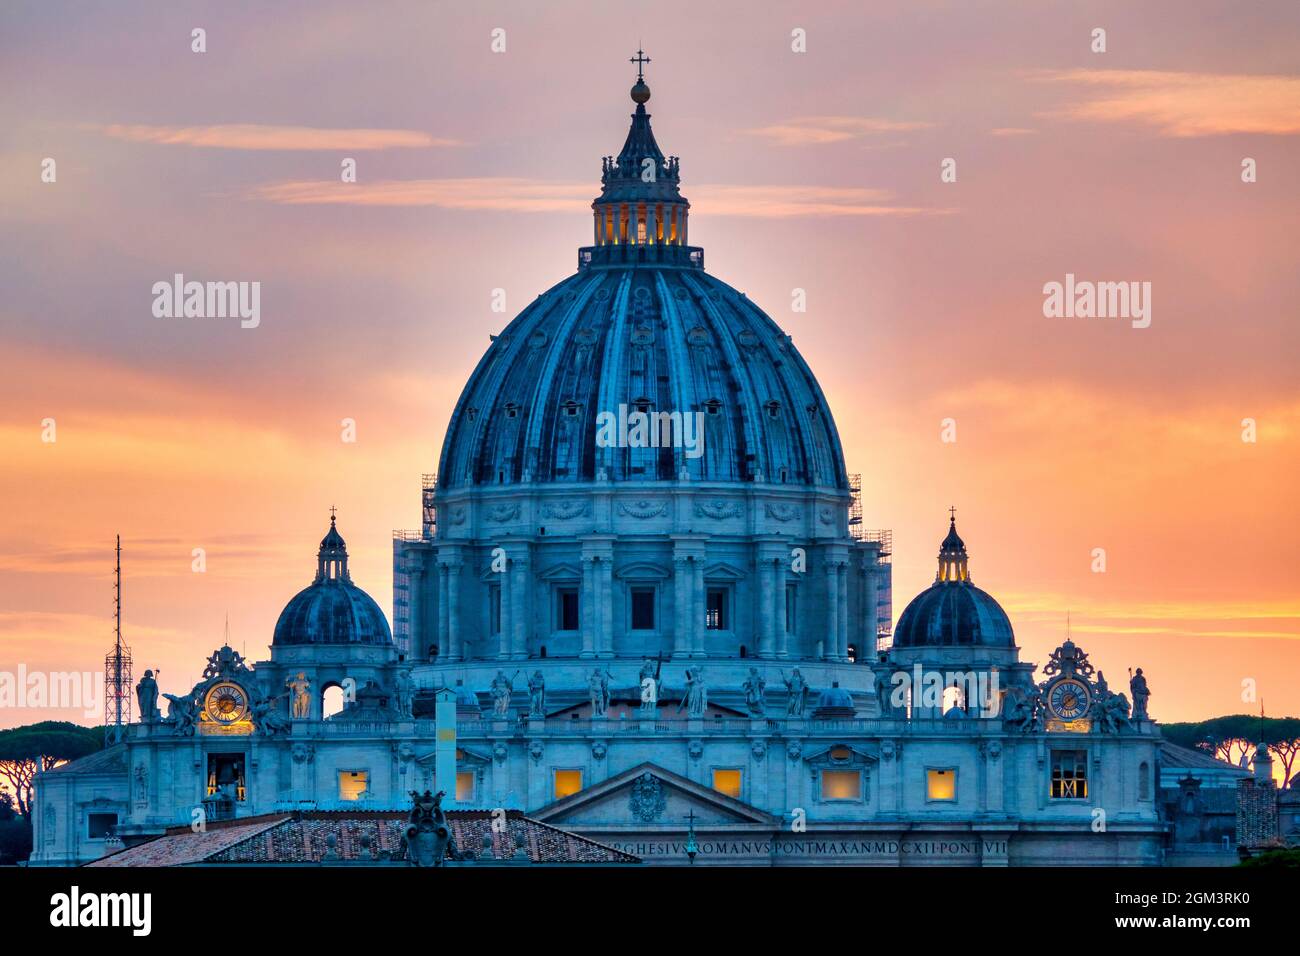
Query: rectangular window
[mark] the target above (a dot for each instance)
(465, 786)
(566, 609)
(567, 783)
(728, 782)
(941, 784)
(494, 609)
(353, 783)
(715, 614)
(841, 785)
(643, 609)
(1069, 774)
(100, 825)
(790, 593)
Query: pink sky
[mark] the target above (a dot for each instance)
(818, 171)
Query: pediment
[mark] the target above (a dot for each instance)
(722, 571)
(562, 572)
(648, 795)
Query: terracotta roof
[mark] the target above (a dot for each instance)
(109, 760)
(301, 838)
(182, 846)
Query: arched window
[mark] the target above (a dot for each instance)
(331, 701)
(1144, 781)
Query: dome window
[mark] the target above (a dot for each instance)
(512, 410)
(642, 405)
(773, 409)
(471, 414)
(713, 406)
(571, 408)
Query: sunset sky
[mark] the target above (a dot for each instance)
(817, 171)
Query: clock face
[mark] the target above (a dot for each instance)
(226, 703)
(1069, 699)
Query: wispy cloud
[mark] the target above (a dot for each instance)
(1012, 131)
(524, 195)
(821, 130)
(1184, 104)
(255, 137)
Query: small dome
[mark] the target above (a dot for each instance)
(834, 702)
(332, 610)
(952, 612)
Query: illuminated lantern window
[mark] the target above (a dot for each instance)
(1069, 774)
(841, 785)
(465, 786)
(728, 782)
(941, 784)
(567, 783)
(353, 783)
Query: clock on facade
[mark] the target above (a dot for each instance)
(1069, 699)
(226, 703)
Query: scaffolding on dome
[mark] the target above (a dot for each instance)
(885, 588)
(429, 513)
(406, 557)
(117, 668)
(856, 531)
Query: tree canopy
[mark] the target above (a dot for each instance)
(34, 747)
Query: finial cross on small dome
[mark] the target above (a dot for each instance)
(640, 60)
(952, 514)
(333, 511)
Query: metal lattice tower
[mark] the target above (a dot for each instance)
(117, 668)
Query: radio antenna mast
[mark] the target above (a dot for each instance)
(117, 668)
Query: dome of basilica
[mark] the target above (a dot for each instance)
(641, 328)
(332, 610)
(952, 612)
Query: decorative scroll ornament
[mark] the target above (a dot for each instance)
(457, 516)
(826, 515)
(718, 509)
(647, 801)
(782, 512)
(643, 508)
(503, 513)
(564, 510)
(1068, 660)
(225, 662)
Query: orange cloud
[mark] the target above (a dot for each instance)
(253, 136)
(504, 194)
(820, 130)
(1185, 104)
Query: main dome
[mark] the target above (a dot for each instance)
(641, 328)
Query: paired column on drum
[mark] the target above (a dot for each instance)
(448, 568)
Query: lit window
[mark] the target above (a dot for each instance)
(727, 782)
(99, 826)
(567, 783)
(941, 784)
(841, 753)
(1069, 774)
(841, 785)
(465, 786)
(353, 783)
(566, 609)
(643, 609)
(715, 615)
